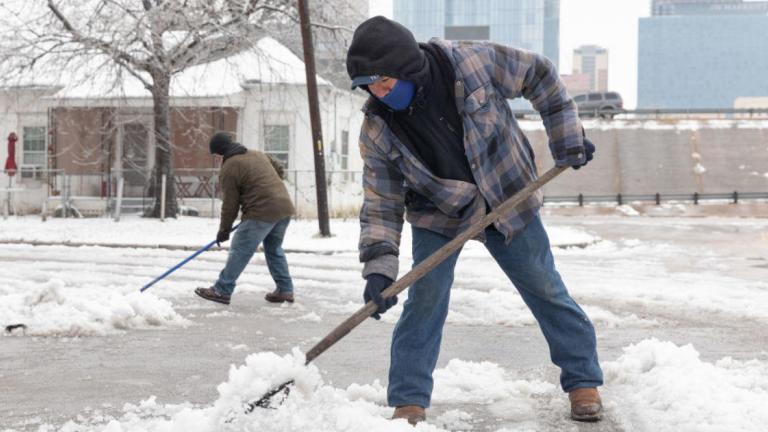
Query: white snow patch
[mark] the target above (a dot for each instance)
(455, 420)
(54, 308)
(663, 387)
(627, 210)
(653, 386)
(310, 405)
(224, 313)
(310, 317)
(194, 232)
(495, 307)
(603, 318)
(238, 347)
(482, 382)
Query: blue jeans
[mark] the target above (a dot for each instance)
(247, 238)
(529, 264)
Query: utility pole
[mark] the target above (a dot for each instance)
(314, 116)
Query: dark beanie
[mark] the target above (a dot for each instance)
(381, 46)
(220, 143)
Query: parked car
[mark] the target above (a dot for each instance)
(603, 104)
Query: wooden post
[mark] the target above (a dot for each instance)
(44, 206)
(162, 198)
(314, 116)
(119, 204)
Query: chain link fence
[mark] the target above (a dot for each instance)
(61, 194)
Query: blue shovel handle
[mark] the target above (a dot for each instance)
(186, 260)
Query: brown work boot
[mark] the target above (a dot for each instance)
(412, 413)
(212, 295)
(586, 405)
(278, 297)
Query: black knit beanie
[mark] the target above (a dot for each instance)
(220, 143)
(381, 46)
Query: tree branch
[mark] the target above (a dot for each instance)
(313, 24)
(101, 45)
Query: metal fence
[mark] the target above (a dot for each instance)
(657, 198)
(661, 113)
(58, 193)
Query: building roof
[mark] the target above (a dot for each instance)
(269, 62)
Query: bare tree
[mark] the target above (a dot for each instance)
(331, 41)
(151, 40)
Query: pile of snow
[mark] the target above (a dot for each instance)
(56, 309)
(653, 386)
(482, 383)
(310, 405)
(662, 387)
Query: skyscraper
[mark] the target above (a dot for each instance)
(708, 7)
(702, 53)
(592, 60)
(530, 24)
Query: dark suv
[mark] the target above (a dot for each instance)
(603, 104)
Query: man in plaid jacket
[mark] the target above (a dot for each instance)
(441, 146)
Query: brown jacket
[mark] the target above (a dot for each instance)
(250, 183)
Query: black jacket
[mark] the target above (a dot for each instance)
(430, 127)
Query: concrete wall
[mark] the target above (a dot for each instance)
(674, 156)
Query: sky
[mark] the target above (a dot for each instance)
(608, 23)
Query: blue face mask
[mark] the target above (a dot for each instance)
(400, 96)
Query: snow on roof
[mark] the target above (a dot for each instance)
(269, 62)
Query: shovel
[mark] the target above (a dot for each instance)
(408, 279)
(184, 261)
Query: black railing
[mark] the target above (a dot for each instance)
(657, 198)
(725, 113)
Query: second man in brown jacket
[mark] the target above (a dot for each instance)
(250, 183)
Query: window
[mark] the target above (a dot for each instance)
(34, 152)
(595, 97)
(277, 142)
(344, 159)
(612, 96)
(580, 98)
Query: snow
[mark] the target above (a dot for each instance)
(70, 291)
(655, 385)
(54, 308)
(269, 62)
(671, 389)
(195, 232)
(71, 304)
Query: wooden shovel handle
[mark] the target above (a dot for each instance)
(431, 262)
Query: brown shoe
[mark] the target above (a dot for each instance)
(412, 413)
(586, 405)
(212, 295)
(278, 297)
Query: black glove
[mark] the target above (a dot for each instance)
(375, 284)
(221, 237)
(589, 151)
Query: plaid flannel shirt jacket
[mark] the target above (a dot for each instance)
(499, 154)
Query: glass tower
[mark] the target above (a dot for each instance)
(702, 53)
(529, 24)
